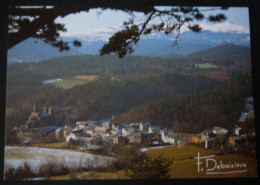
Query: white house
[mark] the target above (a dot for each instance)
(127, 131)
(168, 137)
(71, 136)
(238, 131)
(219, 131)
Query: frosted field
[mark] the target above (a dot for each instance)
(34, 156)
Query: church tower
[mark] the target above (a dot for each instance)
(65, 131)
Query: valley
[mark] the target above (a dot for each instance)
(112, 108)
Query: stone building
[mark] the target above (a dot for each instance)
(36, 117)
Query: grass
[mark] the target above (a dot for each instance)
(86, 77)
(14, 154)
(188, 168)
(68, 83)
(184, 165)
(52, 145)
(92, 176)
(180, 153)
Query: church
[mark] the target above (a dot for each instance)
(37, 118)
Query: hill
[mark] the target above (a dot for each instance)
(104, 97)
(230, 60)
(121, 85)
(220, 106)
(225, 55)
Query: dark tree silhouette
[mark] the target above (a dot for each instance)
(145, 167)
(40, 23)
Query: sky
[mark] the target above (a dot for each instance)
(108, 20)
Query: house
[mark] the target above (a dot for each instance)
(89, 129)
(169, 137)
(59, 133)
(100, 131)
(62, 132)
(80, 125)
(148, 138)
(243, 117)
(141, 127)
(249, 108)
(114, 126)
(79, 136)
(154, 129)
(119, 139)
(127, 131)
(219, 131)
(187, 137)
(134, 138)
(238, 131)
(92, 123)
(206, 134)
(209, 142)
(197, 139)
(72, 136)
(144, 126)
(106, 124)
(208, 137)
(67, 130)
(234, 140)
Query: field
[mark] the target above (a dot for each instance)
(184, 165)
(53, 145)
(92, 176)
(35, 156)
(86, 77)
(68, 83)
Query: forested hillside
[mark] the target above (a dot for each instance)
(105, 97)
(220, 106)
(166, 91)
(226, 54)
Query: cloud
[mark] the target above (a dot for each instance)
(105, 33)
(95, 34)
(225, 27)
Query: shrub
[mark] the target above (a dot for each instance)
(145, 167)
(22, 172)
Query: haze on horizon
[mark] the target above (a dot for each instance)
(98, 21)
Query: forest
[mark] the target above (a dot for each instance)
(171, 92)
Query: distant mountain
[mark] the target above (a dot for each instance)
(33, 50)
(156, 44)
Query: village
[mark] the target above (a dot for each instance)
(92, 133)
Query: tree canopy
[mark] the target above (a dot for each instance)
(145, 167)
(39, 22)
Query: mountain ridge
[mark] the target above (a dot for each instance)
(156, 45)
